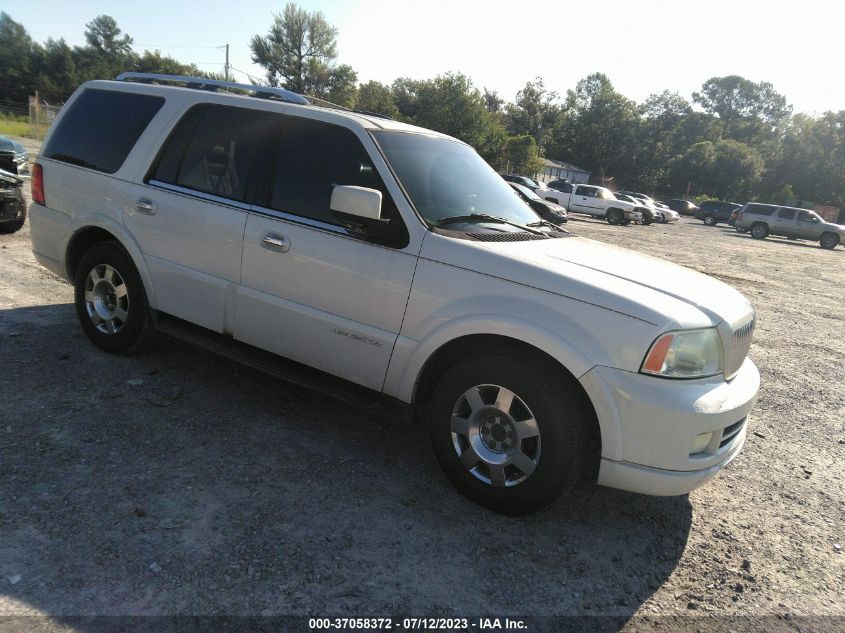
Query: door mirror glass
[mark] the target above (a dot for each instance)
(357, 208)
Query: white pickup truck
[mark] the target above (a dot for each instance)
(596, 201)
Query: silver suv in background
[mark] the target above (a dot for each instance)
(771, 219)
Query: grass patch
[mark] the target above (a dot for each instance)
(13, 125)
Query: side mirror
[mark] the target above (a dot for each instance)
(357, 208)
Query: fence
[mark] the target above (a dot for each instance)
(41, 115)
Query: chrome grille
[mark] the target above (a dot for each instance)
(738, 349)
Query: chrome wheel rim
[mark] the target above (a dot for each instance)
(106, 299)
(757, 231)
(495, 435)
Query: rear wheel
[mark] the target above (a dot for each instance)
(615, 216)
(110, 300)
(710, 220)
(829, 240)
(508, 435)
(759, 231)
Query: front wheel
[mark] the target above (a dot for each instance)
(110, 300)
(508, 435)
(829, 240)
(709, 220)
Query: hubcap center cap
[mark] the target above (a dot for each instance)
(497, 433)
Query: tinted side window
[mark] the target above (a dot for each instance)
(584, 191)
(101, 127)
(759, 209)
(213, 149)
(314, 157)
(786, 214)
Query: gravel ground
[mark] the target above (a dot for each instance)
(177, 483)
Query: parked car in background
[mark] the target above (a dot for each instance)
(649, 214)
(711, 212)
(666, 213)
(732, 221)
(12, 203)
(598, 202)
(684, 207)
(763, 220)
(368, 259)
(558, 184)
(546, 209)
(525, 181)
(13, 157)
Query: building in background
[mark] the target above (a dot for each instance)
(561, 170)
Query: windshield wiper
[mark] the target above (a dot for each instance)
(551, 225)
(455, 219)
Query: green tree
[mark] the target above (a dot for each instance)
(598, 130)
(299, 52)
(535, 112)
(104, 35)
(727, 169)
(16, 52)
(376, 97)
(522, 155)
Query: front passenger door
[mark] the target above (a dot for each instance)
(311, 290)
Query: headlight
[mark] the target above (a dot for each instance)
(685, 354)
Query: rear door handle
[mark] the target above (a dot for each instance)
(276, 242)
(146, 206)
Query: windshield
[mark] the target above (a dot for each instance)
(445, 178)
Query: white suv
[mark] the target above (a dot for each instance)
(367, 257)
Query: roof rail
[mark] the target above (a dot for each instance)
(265, 92)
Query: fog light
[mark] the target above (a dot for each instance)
(701, 442)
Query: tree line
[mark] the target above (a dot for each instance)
(735, 139)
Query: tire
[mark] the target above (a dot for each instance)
(14, 225)
(625, 222)
(111, 303)
(709, 220)
(829, 240)
(759, 231)
(615, 217)
(463, 418)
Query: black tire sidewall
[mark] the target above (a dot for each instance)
(559, 416)
(759, 237)
(833, 245)
(137, 323)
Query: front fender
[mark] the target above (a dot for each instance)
(410, 356)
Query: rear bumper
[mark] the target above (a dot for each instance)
(50, 231)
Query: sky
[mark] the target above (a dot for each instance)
(643, 46)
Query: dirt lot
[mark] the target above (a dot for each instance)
(177, 483)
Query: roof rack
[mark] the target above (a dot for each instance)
(264, 92)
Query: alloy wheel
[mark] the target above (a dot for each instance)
(106, 299)
(495, 435)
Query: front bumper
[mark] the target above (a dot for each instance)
(650, 426)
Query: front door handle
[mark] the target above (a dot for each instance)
(146, 206)
(275, 242)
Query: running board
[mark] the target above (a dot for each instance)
(287, 370)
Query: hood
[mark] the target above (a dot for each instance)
(647, 288)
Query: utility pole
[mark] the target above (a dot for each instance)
(226, 67)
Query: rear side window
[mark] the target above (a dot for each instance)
(787, 214)
(759, 209)
(101, 127)
(213, 150)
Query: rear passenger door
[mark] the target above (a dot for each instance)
(311, 290)
(189, 215)
(785, 224)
